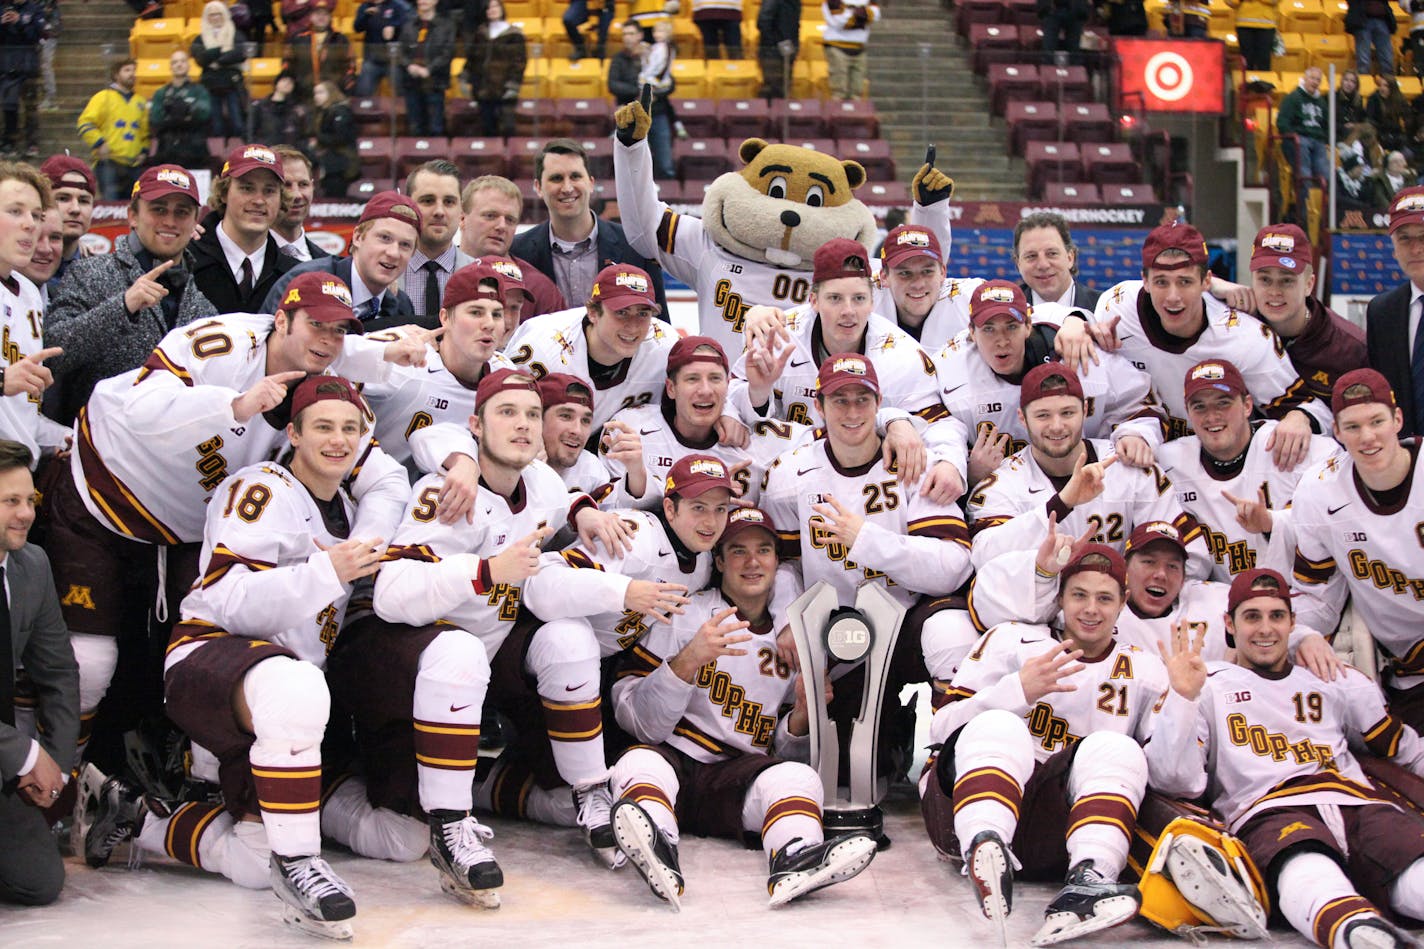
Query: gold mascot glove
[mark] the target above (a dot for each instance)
(635, 118)
(930, 185)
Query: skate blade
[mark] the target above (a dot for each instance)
(484, 899)
(991, 865)
(1061, 927)
(1226, 907)
(844, 861)
(91, 785)
(338, 930)
(632, 832)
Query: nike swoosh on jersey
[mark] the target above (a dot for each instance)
(647, 431)
(1036, 490)
(801, 473)
(574, 688)
(954, 388)
(804, 362)
(1330, 511)
(434, 369)
(458, 708)
(665, 553)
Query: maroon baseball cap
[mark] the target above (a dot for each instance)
(745, 519)
(163, 180)
(1376, 389)
(510, 273)
(560, 388)
(1152, 532)
(1258, 581)
(840, 257)
(504, 380)
(1213, 374)
(1096, 558)
(998, 298)
(1406, 207)
(1175, 236)
(908, 241)
(695, 475)
(476, 281)
(846, 369)
(245, 159)
(1032, 388)
(324, 389)
(1281, 245)
(622, 285)
(690, 349)
(66, 171)
(394, 205)
(322, 296)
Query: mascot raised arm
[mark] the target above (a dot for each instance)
(760, 225)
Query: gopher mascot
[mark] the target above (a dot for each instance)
(760, 226)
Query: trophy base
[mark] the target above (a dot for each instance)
(864, 820)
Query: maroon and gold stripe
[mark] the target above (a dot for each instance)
(988, 784)
(448, 746)
(186, 828)
(643, 792)
(288, 790)
(1336, 913)
(1112, 810)
(667, 231)
(573, 721)
(1383, 737)
(1312, 571)
(699, 737)
(941, 527)
(224, 558)
(1188, 527)
(192, 630)
(510, 795)
(790, 807)
(579, 560)
(126, 514)
(421, 552)
(158, 361)
(986, 521)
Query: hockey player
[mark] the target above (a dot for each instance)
(1270, 746)
(912, 285)
(281, 549)
(1040, 752)
(1352, 518)
(981, 369)
(713, 764)
(1167, 322)
(568, 420)
(1224, 475)
(445, 603)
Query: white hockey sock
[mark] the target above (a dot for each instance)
(509, 791)
(564, 658)
(1318, 899)
(783, 804)
(347, 817)
(993, 760)
(450, 690)
(1406, 894)
(206, 836)
(644, 777)
(289, 704)
(97, 657)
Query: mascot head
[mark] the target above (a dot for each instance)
(785, 203)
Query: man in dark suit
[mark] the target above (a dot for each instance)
(39, 695)
(236, 261)
(290, 232)
(1047, 260)
(575, 244)
(381, 246)
(1393, 342)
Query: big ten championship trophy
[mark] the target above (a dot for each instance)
(832, 640)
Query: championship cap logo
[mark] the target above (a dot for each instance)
(175, 178)
(1159, 527)
(1209, 370)
(913, 238)
(632, 281)
(509, 268)
(849, 364)
(996, 295)
(260, 153)
(338, 290)
(293, 296)
(1280, 243)
(1412, 202)
(708, 467)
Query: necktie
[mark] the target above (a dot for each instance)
(1416, 365)
(244, 286)
(432, 289)
(294, 252)
(366, 310)
(7, 658)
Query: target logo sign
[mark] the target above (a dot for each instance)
(1172, 76)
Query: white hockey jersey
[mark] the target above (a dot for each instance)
(21, 332)
(908, 544)
(946, 319)
(1254, 743)
(263, 573)
(555, 342)
(594, 583)
(436, 572)
(1230, 334)
(1114, 694)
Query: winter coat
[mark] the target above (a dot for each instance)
(178, 121)
(222, 71)
(494, 68)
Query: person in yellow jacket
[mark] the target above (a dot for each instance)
(114, 124)
(1255, 30)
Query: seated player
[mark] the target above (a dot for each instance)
(1270, 747)
(1040, 765)
(568, 421)
(714, 766)
(446, 601)
(912, 286)
(243, 675)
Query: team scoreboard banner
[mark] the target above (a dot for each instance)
(1183, 76)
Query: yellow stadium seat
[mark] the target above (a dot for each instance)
(812, 47)
(261, 73)
(732, 78)
(1303, 16)
(523, 9)
(536, 77)
(1223, 19)
(1330, 48)
(686, 37)
(1410, 86)
(1296, 58)
(154, 39)
(691, 76)
(1262, 75)
(1334, 15)
(810, 80)
(150, 74)
(555, 39)
(581, 80)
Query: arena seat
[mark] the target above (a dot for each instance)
(479, 156)
(1303, 16)
(535, 117)
(1088, 122)
(261, 73)
(413, 152)
(798, 118)
(598, 156)
(580, 80)
(691, 78)
(1011, 81)
(1128, 194)
(1022, 12)
(701, 159)
(158, 38)
(1065, 84)
(1328, 48)
(993, 43)
(363, 189)
(1030, 120)
(373, 114)
(1072, 195)
(850, 118)
(886, 193)
(699, 116)
(377, 157)
(743, 118)
(971, 12)
(586, 117)
(1109, 162)
(1295, 58)
(1052, 162)
(873, 154)
(731, 78)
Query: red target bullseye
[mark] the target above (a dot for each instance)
(1168, 76)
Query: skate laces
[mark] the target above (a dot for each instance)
(314, 877)
(465, 840)
(595, 806)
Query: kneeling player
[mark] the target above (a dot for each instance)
(1333, 849)
(712, 768)
(1041, 752)
(243, 675)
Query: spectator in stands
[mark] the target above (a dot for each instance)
(289, 231)
(1124, 17)
(1353, 191)
(721, 24)
(1389, 179)
(296, 16)
(49, 42)
(1188, 18)
(114, 125)
(280, 119)
(1303, 116)
(626, 64)
(495, 60)
(220, 51)
(73, 186)
(1255, 30)
(1415, 9)
(1352, 121)
(575, 244)
(381, 22)
(112, 309)
(178, 117)
(319, 54)
(236, 261)
(21, 24)
(847, 33)
(778, 40)
(1389, 112)
(575, 17)
(254, 19)
(656, 73)
(493, 207)
(435, 189)
(427, 45)
(1371, 23)
(334, 140)
(1063, 22)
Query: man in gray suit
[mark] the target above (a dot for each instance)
(39, 695)
(435, 189)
